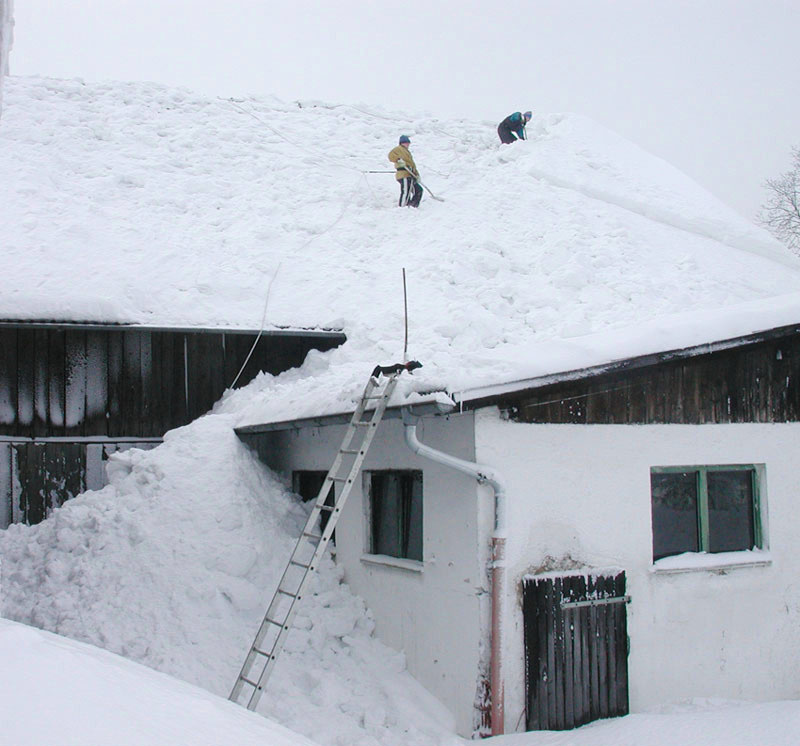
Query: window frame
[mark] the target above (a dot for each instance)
(369, 553)
(757, 478)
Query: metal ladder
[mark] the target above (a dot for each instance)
(311, 545)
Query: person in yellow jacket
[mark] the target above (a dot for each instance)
(407, 174)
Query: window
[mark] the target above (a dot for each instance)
(395, 513)
(307, 484)
(705, 509)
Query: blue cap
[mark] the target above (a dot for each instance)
(404, 138)
(528, 114)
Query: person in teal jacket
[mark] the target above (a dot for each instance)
(512, 128)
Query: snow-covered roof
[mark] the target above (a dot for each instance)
(132, 202)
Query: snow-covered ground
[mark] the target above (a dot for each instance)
(94, 698)
(136, 203)
(57, 691)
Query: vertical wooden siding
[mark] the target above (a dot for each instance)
(48, 474)
(36, 477)
(755, 383)
(73, 382)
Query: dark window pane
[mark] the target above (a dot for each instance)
(396, 510)
(385, 515)
(730, 511)
(414, 534)
(674, 502)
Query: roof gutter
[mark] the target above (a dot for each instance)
(484, 475)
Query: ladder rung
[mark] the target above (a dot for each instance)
(327, 508)
(340, 479)
(299, 564)
(272, 621)
(286, 593)
(260, 652)
(351, 451)
(362, 424)
(247, 681)
(312, 536)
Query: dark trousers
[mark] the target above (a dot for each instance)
(410, 192)
(506, 136)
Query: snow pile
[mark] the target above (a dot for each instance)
(94, 698)
(140, 203)
(694, 723)
(172, 565)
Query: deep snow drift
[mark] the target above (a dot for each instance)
(95, 699)
(172, 565)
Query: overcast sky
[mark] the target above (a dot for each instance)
(710, 85)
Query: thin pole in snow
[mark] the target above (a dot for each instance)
(405, 314)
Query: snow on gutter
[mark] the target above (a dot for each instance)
(484, 475)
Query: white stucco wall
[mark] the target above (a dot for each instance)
(432, 611)
(583, 492)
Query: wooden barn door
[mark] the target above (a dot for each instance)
(576, 649)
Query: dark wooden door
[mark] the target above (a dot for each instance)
(576, 649)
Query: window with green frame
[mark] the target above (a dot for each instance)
(705, 508)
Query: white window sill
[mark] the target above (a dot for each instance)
(719, 563)
(387, 561)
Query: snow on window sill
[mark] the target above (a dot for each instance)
(719, 563)
(385, 559)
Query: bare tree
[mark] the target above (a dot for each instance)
(780, 214)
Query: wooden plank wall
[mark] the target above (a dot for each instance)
(757, 383)
(118, 382)
(38, 476)
(576, 658)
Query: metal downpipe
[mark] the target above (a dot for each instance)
(484, 475)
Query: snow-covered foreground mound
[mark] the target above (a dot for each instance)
(56, 691)
(172, 565)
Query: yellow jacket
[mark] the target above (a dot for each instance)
(402, 152)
